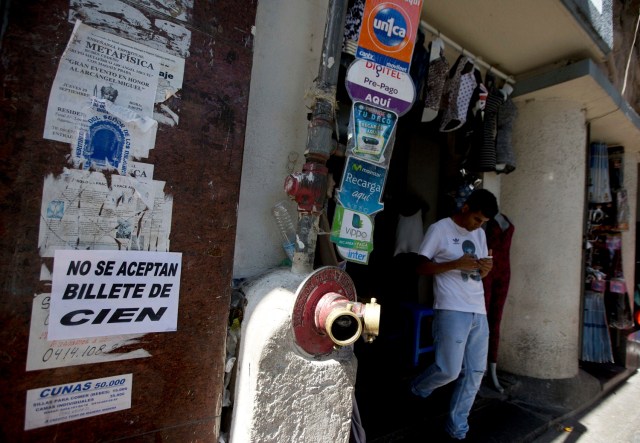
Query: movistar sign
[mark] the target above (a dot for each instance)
(362, 185)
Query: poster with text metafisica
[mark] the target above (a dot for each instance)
(100, 65)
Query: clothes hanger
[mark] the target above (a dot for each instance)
(506, 90)
(502, 221)
(437, 48)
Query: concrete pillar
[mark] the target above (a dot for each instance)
(287, 51)
(545, 199)
(283, 394)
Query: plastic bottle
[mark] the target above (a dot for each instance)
(286, 227)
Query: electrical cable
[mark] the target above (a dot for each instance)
(626, 71)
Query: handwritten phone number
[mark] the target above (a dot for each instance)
(74, 352)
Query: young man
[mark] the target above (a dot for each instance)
(454, 251)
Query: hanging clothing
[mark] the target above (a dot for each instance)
(505, 157)
(419, 65)
(435, 81)
(596, 340)
(472, 134)
(599, 189)
(486, 156)
(499, 232)
(352, 25)
(622, 210)
(458, 91)
(409, 233)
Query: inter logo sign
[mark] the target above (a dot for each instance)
(388, 33)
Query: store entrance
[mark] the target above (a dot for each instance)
(425, 165)
(428, 178)
(609, 302)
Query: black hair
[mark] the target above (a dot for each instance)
(484, 201)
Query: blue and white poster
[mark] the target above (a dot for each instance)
(362, 186)
(112, 136)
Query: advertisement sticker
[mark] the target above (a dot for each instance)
(377, 85)
(373, 128)
(101, 65)
(354, 255)
(352, 230)
(388, 32)
(362, 185)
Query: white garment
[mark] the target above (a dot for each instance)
(455, 290)
(409, 233)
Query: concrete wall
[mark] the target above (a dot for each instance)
(545, 200)
(177, 389)
(288, 45)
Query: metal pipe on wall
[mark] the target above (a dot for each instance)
(309, 187)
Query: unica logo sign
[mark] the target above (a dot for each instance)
(390, 27)
(388, 34)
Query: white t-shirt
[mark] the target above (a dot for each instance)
(455, 290)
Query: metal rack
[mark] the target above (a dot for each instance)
(428, 28)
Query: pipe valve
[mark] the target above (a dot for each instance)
(308, 187)
(326, 314)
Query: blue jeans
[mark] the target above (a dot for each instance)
(461, 341)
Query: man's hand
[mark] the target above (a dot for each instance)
(468, 263)
(486, 264)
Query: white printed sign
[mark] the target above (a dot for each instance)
(72, 401)
(48, 354)
(99, 293)
(101, 65)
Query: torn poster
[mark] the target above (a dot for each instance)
(48, 354)
(111, 136)
(139, 170)
(101, 65)
(166, 39)
(97, 64)
(135, 22)
(160, 219)
(80, 210)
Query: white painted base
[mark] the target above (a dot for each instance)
(282, 394)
